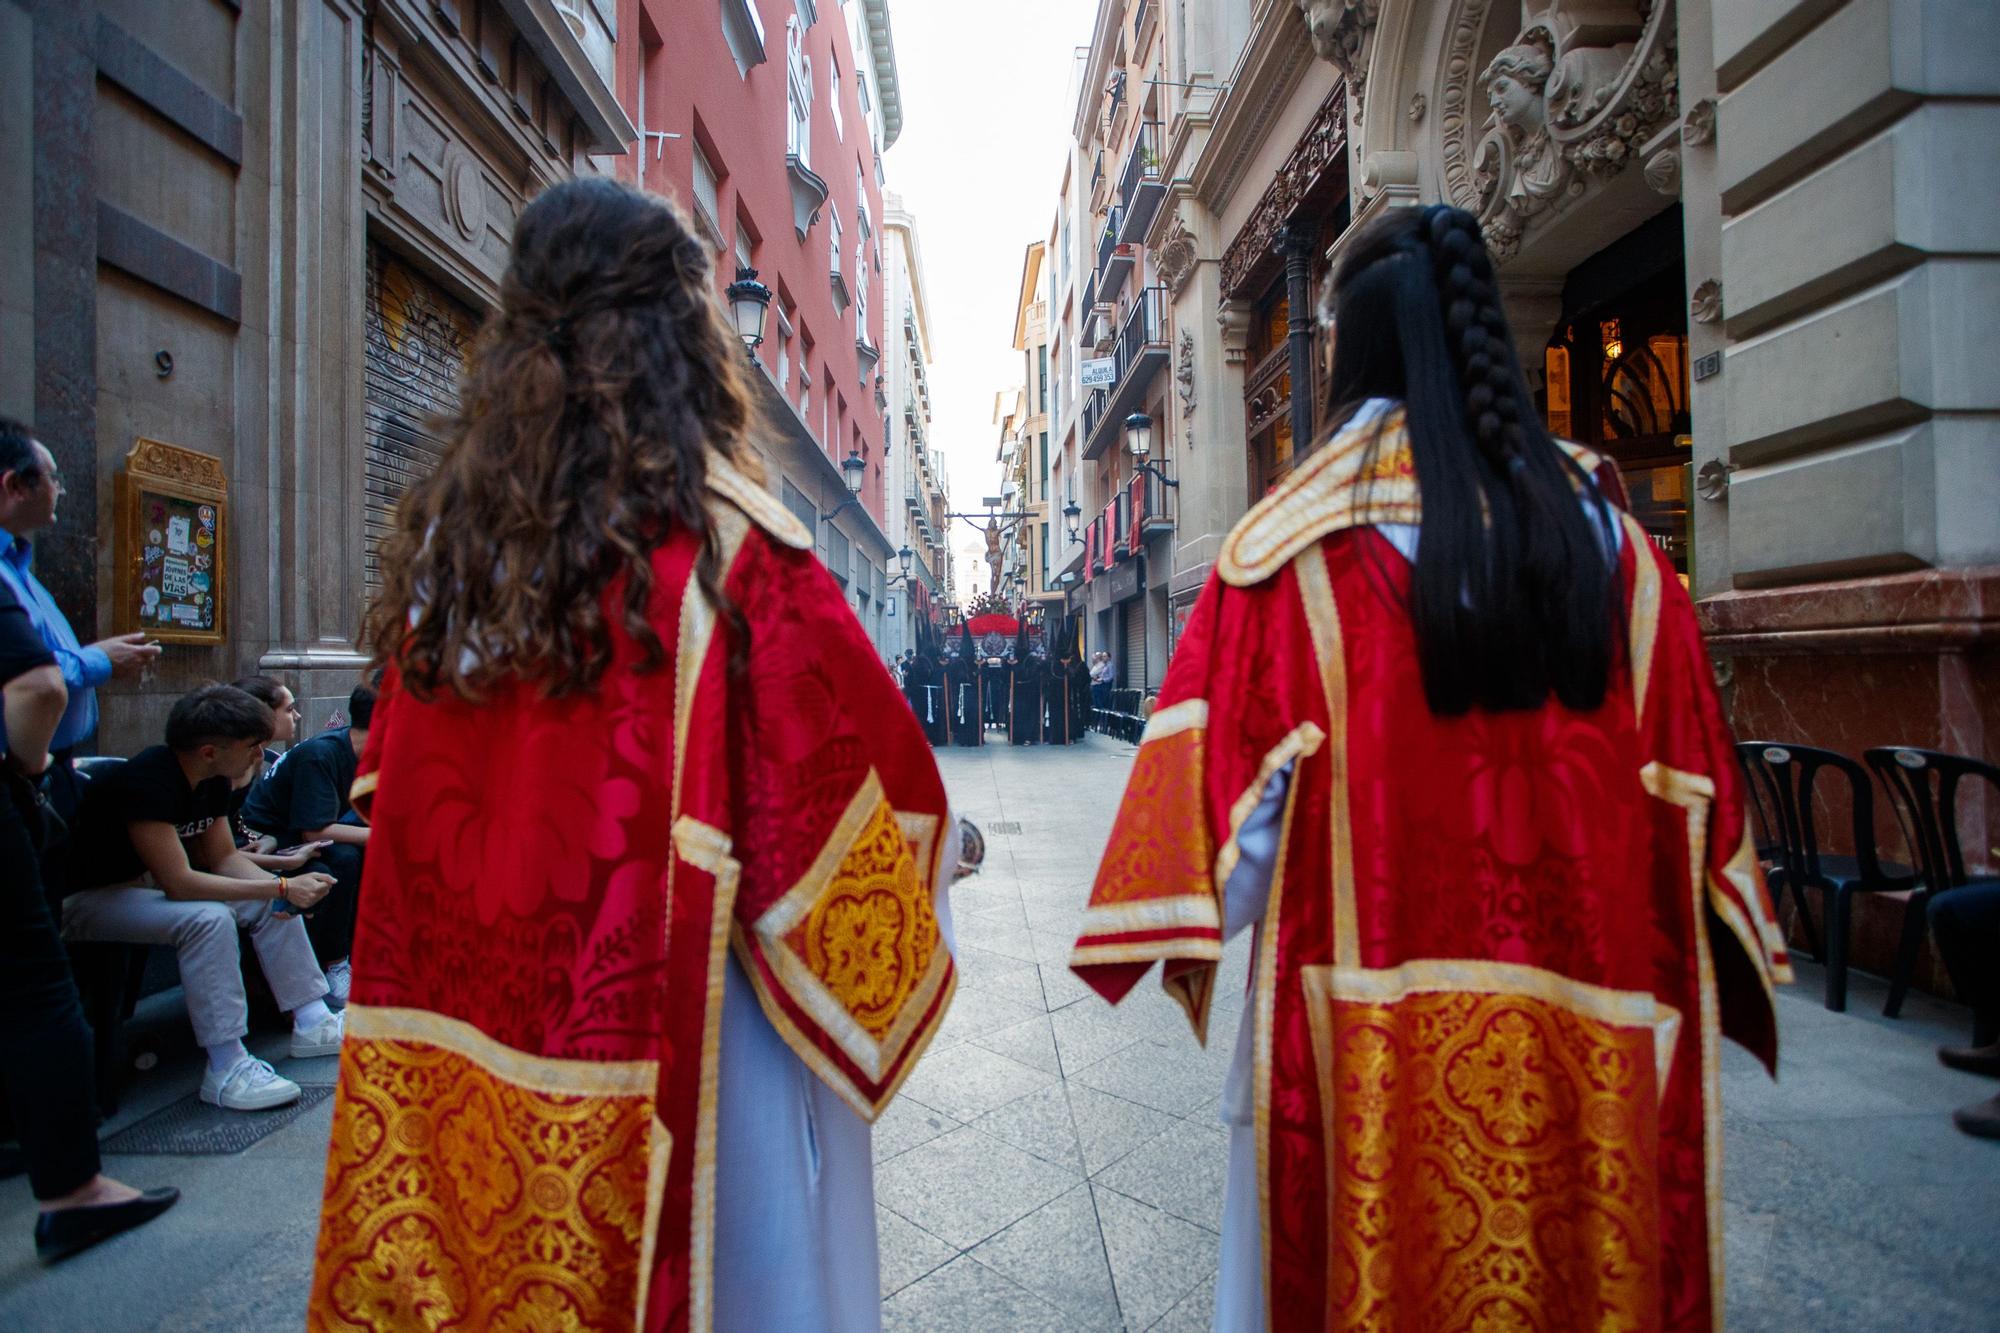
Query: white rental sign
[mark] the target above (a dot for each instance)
(1101, 373)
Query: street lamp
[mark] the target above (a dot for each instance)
(853, 471)
(1139, 443)
(903, 558)
(749, 303)
(1072, 515)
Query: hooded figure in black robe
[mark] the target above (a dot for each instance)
(967, 709)
(1057, 726)
(1024, 691)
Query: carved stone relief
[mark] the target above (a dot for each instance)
(1177, 256)
(1699, 126)
(1184, 375)
(1419, 105)
(1322, 147)
(1663, 172)
(1233, 318)
(1706, 307)
(1342, 33)
(1569, 107)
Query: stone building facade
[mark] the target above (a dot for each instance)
(1026, 465)
(1123, 326)
(918, 493)
(263, 233)
(1748, 250)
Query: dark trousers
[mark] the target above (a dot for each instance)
(330, 925)
(45, 1044)
(1965, 922)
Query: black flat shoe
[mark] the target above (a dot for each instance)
(60, 1234)
(1981, 1119)
(1972, 1059)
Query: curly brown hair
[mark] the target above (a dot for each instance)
(598, 395)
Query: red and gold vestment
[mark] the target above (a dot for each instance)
(1498, 951)
(524, 1131)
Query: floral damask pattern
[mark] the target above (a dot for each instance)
(1493, 1163)
(469, 1202)
(1161, 845)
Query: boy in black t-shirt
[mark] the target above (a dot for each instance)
(303, 798)
(155, 863)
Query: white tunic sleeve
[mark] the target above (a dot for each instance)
(794, 1177)
(1239, 1287)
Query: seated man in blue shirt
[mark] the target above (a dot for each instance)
(30, 488)
(303, 799)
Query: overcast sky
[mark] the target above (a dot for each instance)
(986, 124)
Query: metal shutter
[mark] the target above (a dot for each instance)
(416, 337)
(1132, 663)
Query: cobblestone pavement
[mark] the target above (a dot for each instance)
(1058, 1164)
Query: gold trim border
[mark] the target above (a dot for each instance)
(1188, 909)
(1187, 715)
(541, 1073)
(1694, 793)
(1644, 633)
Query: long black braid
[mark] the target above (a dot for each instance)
(1512, 595)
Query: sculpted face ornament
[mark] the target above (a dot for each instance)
(1339, 30)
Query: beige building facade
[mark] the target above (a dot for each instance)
(1749, 250)
(918, 493)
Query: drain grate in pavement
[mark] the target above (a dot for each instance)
(191, 1127)
(1004, 826)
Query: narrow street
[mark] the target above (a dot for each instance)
(1056, 1164)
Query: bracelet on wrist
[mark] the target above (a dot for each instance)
(281, 887)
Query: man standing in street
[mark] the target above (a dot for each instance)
(29, 490)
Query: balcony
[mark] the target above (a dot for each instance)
(1140, 188)
(1097, 173)
(1117, 268)
(808, 193)
(1093, 410)
(1140, 353)
(1118, 525)
(1106, 244)
(1148, 497)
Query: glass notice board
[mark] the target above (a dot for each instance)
(172, 562)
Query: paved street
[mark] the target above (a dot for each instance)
(1055, 1164)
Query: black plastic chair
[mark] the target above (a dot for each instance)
(1923, 791)
(1783, 779)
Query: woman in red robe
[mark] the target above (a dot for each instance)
(1442, 727)
(633, 757)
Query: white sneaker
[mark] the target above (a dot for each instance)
(248, 1085)
(339, 981)
(322, 1040)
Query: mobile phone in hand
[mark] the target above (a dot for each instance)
(297, 848)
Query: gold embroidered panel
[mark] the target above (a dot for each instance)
(857, 944)
(457, 1198)
(1492, 1151)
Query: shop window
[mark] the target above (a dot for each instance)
(1617, 380)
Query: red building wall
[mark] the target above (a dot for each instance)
(692, 89)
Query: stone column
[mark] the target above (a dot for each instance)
(314, 313)
(1295, 243)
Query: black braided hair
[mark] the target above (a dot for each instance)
(1513, 594)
